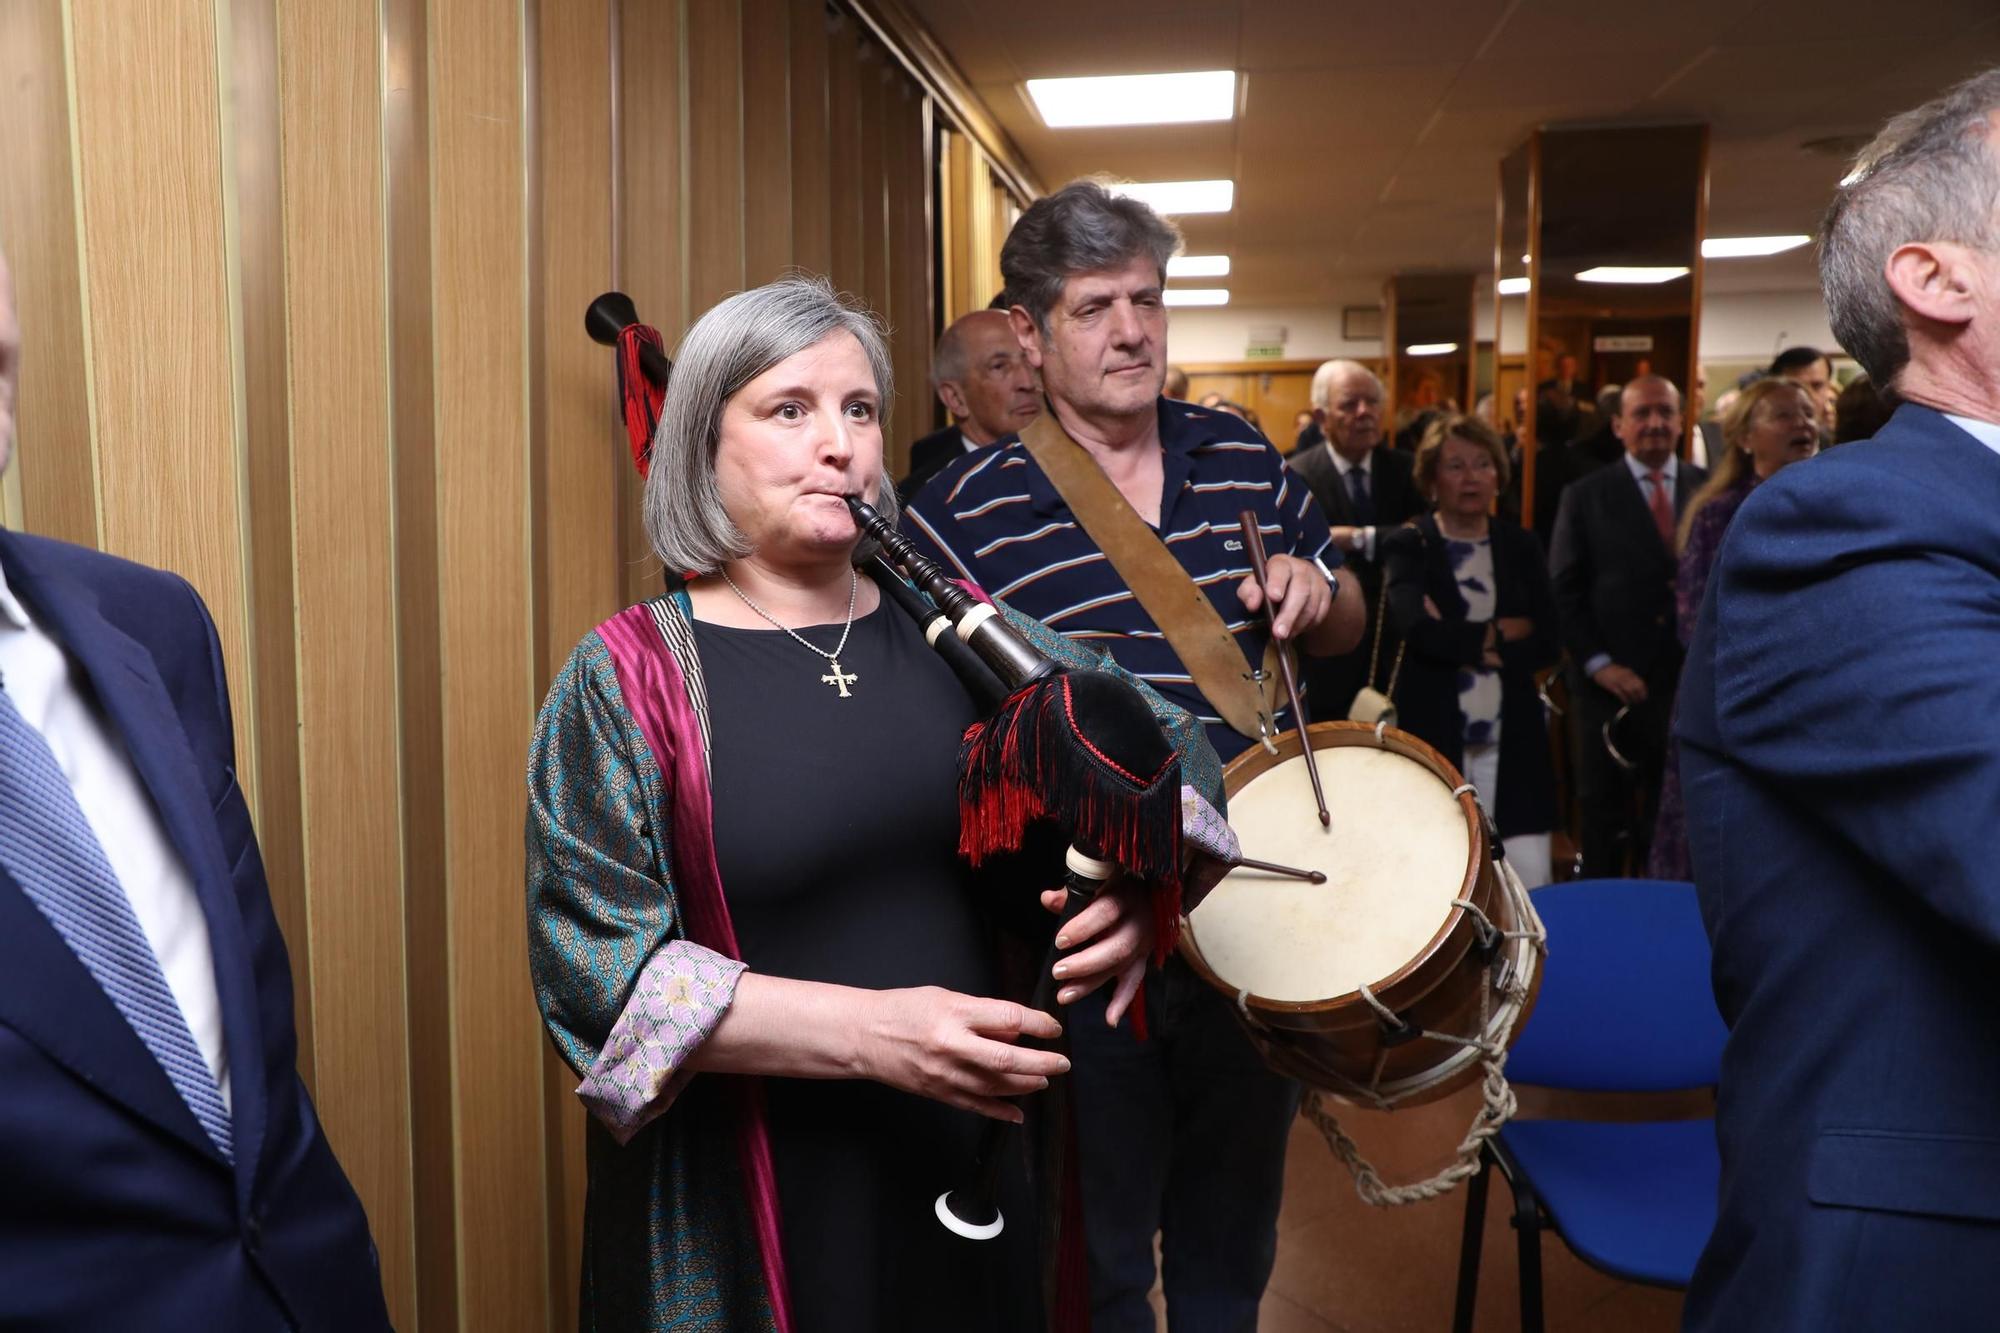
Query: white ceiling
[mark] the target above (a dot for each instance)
(1369, 138)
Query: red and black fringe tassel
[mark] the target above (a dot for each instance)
(1031, 760)
(639, 399)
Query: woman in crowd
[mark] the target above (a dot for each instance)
(1469, 591)
(1773, 422)
(742, 838)
(1859, 413)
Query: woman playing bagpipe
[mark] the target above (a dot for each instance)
(743, 859)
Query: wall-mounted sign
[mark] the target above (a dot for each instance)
(1265, 342)
(1622, 342)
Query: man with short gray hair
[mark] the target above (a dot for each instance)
(1840, 751)
(1184, 1134)
(983, 378)
(1364, 487)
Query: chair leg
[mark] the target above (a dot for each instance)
(1470, 1241)
(1528, 1237)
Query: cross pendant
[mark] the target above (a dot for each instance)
(839, 679)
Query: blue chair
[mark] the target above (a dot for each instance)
(1625, 1008)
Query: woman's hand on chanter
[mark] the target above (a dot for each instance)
(1117, 927)
(962, 1050)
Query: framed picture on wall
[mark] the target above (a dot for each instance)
(1361, 321)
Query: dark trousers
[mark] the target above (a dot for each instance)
(1184, 1134)
(1617, 806)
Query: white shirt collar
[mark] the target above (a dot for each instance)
(1985, 432)
(11, 609)
(1640, 472)
(1340, 460)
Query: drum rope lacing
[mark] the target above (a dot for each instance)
(1498, 1103)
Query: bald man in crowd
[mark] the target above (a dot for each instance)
(1612, 564)
(984, 380)
(1363, 487)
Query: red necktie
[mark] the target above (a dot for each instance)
(1663, 507)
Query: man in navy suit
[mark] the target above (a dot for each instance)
(1840, 750)
(161, 1166)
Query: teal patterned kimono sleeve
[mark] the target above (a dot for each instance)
(600, 895)
(668, 1239)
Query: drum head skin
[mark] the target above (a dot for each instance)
(1395, 859)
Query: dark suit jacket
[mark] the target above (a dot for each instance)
(928, 457)
(1331, 682)
(1837, 729)
(1417, 565)
(1614, 577)
(116, 1211)
(1390, 484)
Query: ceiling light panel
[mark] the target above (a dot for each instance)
(1198, 266)
(1135, 99)
(1430, 349)
(1744, 247)
(1181, 197)
(1197, 296)
(1632, 275)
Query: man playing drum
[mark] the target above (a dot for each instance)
(1184, 1133)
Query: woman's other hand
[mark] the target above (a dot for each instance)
(962, 1050)
(1117, 927)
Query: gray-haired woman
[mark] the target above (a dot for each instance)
(741, 861)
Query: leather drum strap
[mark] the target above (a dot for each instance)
(1169, 595)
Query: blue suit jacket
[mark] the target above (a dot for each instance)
(1840, 749)
(116, 1212)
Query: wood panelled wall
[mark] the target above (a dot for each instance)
(302, 287)
(978, 210)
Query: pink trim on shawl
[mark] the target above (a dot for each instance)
(656, 696)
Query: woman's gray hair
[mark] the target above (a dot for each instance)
(1932, 174)
(735, 342)
(1081, 228)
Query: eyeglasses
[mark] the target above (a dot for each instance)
(1460, 467)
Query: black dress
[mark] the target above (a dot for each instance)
(836, 833)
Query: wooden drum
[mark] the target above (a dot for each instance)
(1407, 853)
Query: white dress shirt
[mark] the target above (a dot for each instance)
(38, 678)
(1670, 473)
(1985, 432)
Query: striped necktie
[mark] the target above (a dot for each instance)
(48, 846)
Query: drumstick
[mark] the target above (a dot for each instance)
(1311, 876)
(1253, 542)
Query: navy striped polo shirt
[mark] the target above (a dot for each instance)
(994, 516)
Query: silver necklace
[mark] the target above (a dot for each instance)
(838, 679)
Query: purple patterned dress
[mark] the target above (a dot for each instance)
(1669, 856)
